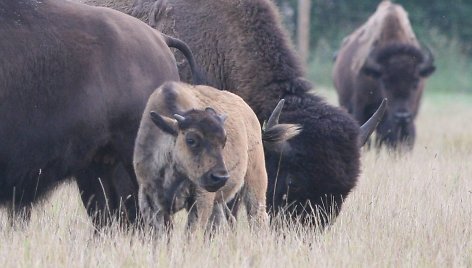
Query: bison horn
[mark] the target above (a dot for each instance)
(210, 110)
(368, 127)
(179, 118)
(274, 117)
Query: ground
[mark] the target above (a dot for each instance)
(413, 209)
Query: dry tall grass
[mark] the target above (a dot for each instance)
(410, 210)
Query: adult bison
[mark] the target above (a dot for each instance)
(196, 148)
(244, 49)
(74, 81)
(382, 59)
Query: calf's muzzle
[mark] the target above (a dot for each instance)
(212, 181)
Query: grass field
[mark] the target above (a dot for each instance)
(412, 210)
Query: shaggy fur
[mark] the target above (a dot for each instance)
(74, 81)
(170, 171)
(382, 59)
(243, 48)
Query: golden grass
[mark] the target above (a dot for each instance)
(412, 210)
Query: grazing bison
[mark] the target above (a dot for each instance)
(382, 59)
(206, 147)
(243, 48)
(74, 81)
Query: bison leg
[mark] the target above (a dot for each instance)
(217, 219)
(254, 192)
(319, 212)
(153, 214)
(107, 194)
(200, 212)
(125, 188)
(96, 193)
(232, 209)
(234, 205)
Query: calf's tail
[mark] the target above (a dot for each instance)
(197, 75)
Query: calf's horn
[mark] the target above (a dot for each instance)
(179, 118)
(368, 127)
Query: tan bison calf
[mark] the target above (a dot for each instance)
(196, 148)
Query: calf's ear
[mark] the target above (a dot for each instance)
(165, 123)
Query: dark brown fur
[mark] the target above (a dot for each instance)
(74, 81)
(382, 59)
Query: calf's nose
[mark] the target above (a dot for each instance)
(219, 177)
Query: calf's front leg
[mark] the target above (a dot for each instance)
(200, 212)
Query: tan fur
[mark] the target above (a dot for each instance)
(243, 154)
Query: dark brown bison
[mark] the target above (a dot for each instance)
(244, 49)
(382, 59)
(196, 148)
(74, 81)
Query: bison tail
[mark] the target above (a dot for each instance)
(197, 75)
(275, 137)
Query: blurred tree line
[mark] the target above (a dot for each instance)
(331, 20)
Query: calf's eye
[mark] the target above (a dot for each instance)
(191, 142)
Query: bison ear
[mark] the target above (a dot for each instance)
(427, 71)
(165, 123)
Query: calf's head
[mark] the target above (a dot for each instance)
(199, 141)
(399, 71)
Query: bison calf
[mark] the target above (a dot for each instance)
(188, 155)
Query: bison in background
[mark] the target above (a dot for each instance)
(74, 81)
(196, 148)
(383, 59)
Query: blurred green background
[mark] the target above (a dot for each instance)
(444, 26)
